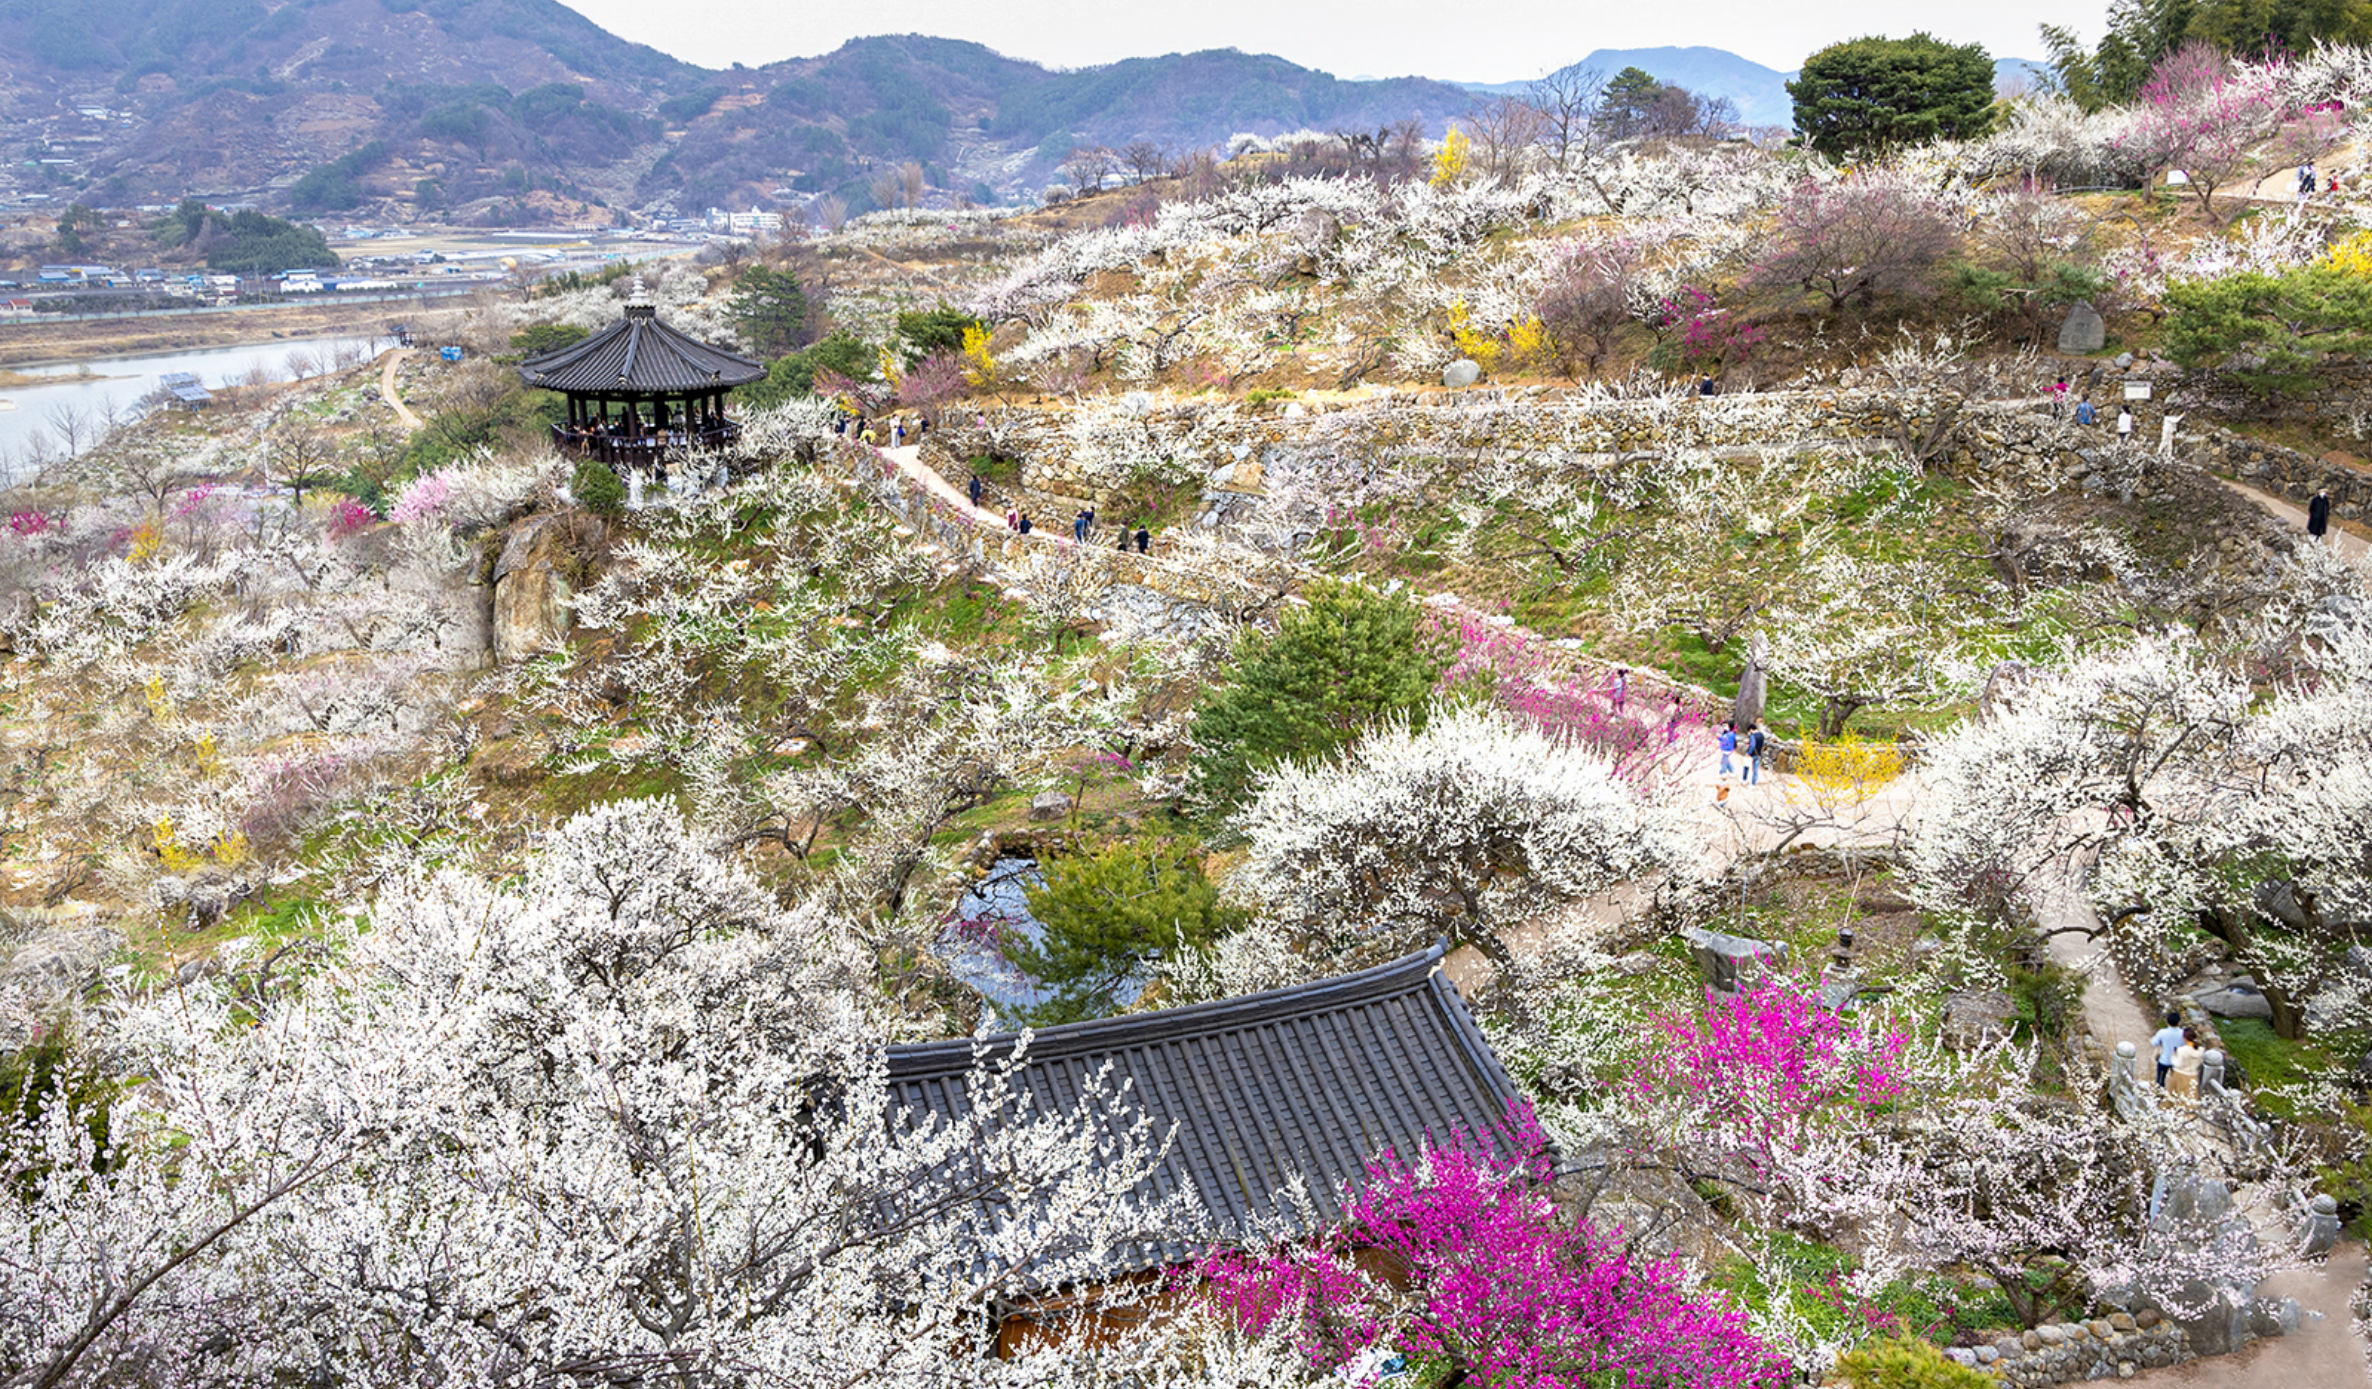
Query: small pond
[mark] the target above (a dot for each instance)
(991, 911)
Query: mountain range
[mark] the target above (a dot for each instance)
(519, 111)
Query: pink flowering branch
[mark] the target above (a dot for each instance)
(1461, 1258)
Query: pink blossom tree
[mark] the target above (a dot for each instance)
(1460, 1257)
(933, 382)
(1854, 240)
(2222, 121)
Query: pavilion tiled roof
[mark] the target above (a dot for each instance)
(639, 355)
(1313, 1080)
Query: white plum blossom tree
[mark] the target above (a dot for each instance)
(622, 1120)
(1462, 828)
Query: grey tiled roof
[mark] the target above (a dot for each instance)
(1315, 1079)
(639, 355)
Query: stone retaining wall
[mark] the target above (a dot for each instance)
(2114, 1347)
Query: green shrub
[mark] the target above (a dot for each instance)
(1350, 659)
(539, 338)
(1907, 1363)
(597, 488)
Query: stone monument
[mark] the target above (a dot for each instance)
(2084, 331)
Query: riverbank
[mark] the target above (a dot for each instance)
(35, 343)
(23, 381)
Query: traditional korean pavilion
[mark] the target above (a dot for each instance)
(1311, 1081)
(638, 390)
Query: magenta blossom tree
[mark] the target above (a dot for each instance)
(1755, 1069)
(1643, 735)
(1460, 1257)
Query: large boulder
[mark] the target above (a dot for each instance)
(531, 611)
(1463, 372)
(2240, 998)
(1730, 963)
(1977, 1016)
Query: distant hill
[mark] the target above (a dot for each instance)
(1760, 92)
(522, 111)
(499, 112)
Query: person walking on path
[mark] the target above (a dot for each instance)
(1729, 747)
(1622, 687)
(1012, 519)
(1079, 528)
(898, 432)
(974, 490)
(2318, 515)
(1025, 523)
(2124, 424)
(2085, 414)
(1144, 541)
(1754, 753)
(2168, 1040)
(2183, 1081)
(2059, 396)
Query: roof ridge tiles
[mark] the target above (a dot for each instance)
(1408, 974)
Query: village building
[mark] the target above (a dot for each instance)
(1308, 1084)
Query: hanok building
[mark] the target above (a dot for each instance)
(1312, 1081)
(667, 388)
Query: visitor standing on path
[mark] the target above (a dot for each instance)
(974, 490)
(2168, 1040)
(2183, 1082)
(1729, 747)
(2059, 397)
(1079, 528)
(1025, 523)
(2085, 414)
(1754, 753)
(2318, 515)
(2124, 424)
(1622, 687)
(1144, 541)
(1012, 519)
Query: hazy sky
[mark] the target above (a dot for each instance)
(1382, 38)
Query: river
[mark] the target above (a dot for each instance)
(30, 415)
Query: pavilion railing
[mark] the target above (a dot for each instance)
(644, 449)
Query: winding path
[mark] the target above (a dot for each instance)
(2351, 546)
(387, 392)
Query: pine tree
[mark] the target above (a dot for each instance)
(1108, 913)
(1340, 665)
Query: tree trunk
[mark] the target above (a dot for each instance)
(1835, 714)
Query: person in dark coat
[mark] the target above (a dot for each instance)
(1144, 541)
(1025, 523)
(974, 489)
(2318, 515)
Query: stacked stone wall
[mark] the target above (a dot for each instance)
(2113, 1347)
